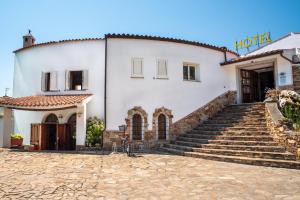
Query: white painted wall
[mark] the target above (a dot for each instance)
(182, 97)
(77, 55)
(289, 42)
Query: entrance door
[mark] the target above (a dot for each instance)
(71, 133)
(247, 79)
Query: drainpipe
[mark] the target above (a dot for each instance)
(105, 90)
(224, 51)
(105, 80)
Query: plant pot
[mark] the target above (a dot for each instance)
(16, 142)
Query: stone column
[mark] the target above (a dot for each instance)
(80, 126)
(6, 128)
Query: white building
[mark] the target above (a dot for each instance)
(148, 83)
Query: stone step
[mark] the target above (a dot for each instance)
(235, 128)
(229, 137)
(251, 154)
(249, 115)
(205, 124)
(229, 133)
(243, 112)
(236, 122)
(246, 118)
(227, 142)
(237, 159)
(237, 147)
(230, 147)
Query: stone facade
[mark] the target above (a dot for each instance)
(173, 129)
(111, 137)
(281, 134)
(296, 78)
(200, 115)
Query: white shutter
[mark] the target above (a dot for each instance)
(162, 71)
(53, 81)
(137, 67)
(85, 79)
(43, 82)
(67, 80)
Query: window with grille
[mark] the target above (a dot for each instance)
(137, 127)
(191, 72)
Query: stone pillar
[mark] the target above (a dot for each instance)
(80, 126)
(5, 128)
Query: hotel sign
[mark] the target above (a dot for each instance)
(258, 40)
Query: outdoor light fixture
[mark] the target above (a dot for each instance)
(79, 114)
(122, 127)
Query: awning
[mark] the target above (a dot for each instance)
(44, 103)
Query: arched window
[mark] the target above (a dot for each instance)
(162, 127)
(72, 119)
(51, 119)
(137, 127)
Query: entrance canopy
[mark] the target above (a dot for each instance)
(45, 103)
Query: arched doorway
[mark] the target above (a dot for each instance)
(51, 132)
(71, 132)
(162, 127)
(137, 127)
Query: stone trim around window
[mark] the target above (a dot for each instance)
(136, 110)
(168, 114)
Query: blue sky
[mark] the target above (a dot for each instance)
(218, 22)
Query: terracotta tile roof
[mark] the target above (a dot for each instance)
(245, 58)
(131, 36)
(43, 102)
(56, 42)
(166, 39)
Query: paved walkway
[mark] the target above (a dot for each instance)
(25, 175)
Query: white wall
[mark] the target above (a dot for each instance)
(182, 97)
(78, 55)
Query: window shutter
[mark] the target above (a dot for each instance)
(85, 83)
(67, 79)
(162, 68)
(137, 68)
(53, 81)
(43, 82)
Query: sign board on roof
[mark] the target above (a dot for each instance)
(258, 39)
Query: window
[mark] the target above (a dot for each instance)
(162, 70)
(137, 67)
(77, 80)
(191, 72)
(49, 81)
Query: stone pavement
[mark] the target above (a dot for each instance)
(27, 175)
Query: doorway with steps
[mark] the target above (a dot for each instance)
(254, 83)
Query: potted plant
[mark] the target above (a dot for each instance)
(16, 140)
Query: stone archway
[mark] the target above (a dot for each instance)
(133, 113)
(159, 113)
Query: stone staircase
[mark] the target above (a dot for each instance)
(236, 134)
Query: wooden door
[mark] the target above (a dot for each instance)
(61, 137)
(247, 86)
(38, 136)
(162, 127)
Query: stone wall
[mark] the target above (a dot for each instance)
(296, 78)
(281, 134)
(200, 115)
(181, 126)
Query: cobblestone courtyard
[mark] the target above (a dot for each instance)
(25, 175)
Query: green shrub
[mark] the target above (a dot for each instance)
(94, 130)
(292, 113)
(16, 136)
